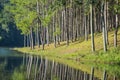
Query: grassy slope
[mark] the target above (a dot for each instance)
(81, 50)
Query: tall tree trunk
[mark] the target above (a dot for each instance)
(47, 35)
(103, 26)
(24, 40)
(116, 28)
(54, 35)
(85, 25)
(67, 23)
(92, 27)
(31, 38)
(38, 39)
(67, 34)
(106, 21)
(28, 40)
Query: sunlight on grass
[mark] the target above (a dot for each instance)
(76, 50)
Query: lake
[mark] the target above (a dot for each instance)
(17, 66)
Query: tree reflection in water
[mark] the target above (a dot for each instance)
(43, 69)
(31, 67)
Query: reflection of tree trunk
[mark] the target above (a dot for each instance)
(40, 68)
(52, 70)
(104, 75)
(48, 70)
(114, 77)
(24, 60)
(76, 74)
(66, 67)
(46, 64)
(85, 78)
(36, 66)
(60, 72)
(92, 73)
(29, 66)
(27, 60)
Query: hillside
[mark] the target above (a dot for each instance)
(81, 50)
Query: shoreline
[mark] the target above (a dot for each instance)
(80, 50)
(96, 57)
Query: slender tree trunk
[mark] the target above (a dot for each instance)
(37, 33)
(54, 35)
(115, 33)
(28, 40)
(24, 40)
(67, 24)
(47, 35)
(38, 39)
(106, 21)
(116, 28)
(85, 25)
(31, 38)
(103, 26)
(91, 25)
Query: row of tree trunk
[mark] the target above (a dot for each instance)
(72, 21)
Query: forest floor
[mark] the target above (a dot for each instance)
(80, 50)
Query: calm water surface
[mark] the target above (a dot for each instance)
(16, 66)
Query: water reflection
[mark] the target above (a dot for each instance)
(30, 67)
(44, 69)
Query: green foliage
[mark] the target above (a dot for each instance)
(55, 78)
(111, 56)
(48, 13)
(78, 2)
(4, 75)
(5, 27)
(19, 73)
(24, 14)
(46, 20)
(86, 6)
(5, 16)
(57, 31)
(116, 8)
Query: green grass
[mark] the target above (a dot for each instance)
(19, 74)
(81, 50)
